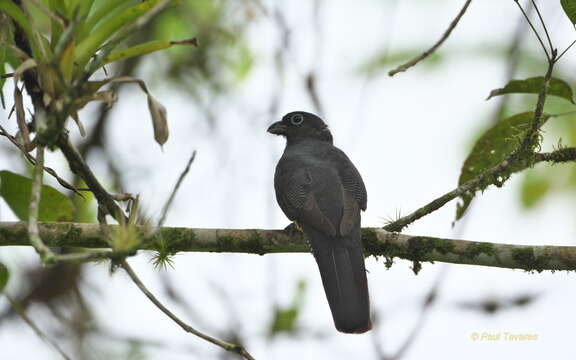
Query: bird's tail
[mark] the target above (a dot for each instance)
(341, 264)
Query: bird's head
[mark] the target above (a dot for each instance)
(301, 125)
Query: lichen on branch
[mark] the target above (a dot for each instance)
(377, 242)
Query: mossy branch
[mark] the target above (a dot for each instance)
(520, 159)
(377, 242)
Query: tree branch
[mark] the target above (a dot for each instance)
(377, 242)
(80, 168)
(223, 344)
(522, 158)
(428, 52)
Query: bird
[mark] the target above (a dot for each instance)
(321, 191)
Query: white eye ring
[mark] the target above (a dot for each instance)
(297, 119)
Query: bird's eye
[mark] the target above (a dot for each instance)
(297, 119)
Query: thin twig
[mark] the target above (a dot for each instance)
(223, 344)
(34, 327)
(32, 161)
(558, 156)
(544, 26)
(533, 29)
(513, 57)
(524, 151)
(565, 50)
(33, 232)
(175, 190)
(531, 137)
(428, 52)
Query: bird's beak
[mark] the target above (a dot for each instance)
(278, 128)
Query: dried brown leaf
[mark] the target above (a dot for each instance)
(159, 121)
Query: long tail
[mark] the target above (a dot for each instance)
(341, 264)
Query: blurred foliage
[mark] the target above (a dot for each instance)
(16, 190)
(535, 186)
(285, 319)
(544, 180)
(85, 206)
(4, 276)
(569, 7)
(223, 57)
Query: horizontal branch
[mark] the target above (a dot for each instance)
(377, 242)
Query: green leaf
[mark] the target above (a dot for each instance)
(16, 190)
(85, 206)
(20, 18)
(285, 318)
(495, 145)
(533, 85)
(88, 47)
(4, 276)
(569, 7)
(102, 9)
(533, 189)
(146, 48)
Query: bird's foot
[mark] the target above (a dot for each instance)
(293, 229)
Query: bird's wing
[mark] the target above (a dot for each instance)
(354, 196)
(296, 192)
(351, 179)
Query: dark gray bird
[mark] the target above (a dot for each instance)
(319, 188)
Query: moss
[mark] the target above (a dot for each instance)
(420, 246)
(416, 267)
(72, 236)
(179, 238)
(527, 260)
(224, 242)
(372, 246)
(417, 249)
(18, 236)
(476, 249)
(251, 244)
(443, 246)
(370, 241)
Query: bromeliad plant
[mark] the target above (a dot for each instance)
(56, 46)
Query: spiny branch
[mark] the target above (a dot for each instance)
(523, 155)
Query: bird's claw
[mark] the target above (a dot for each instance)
(293, 229)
